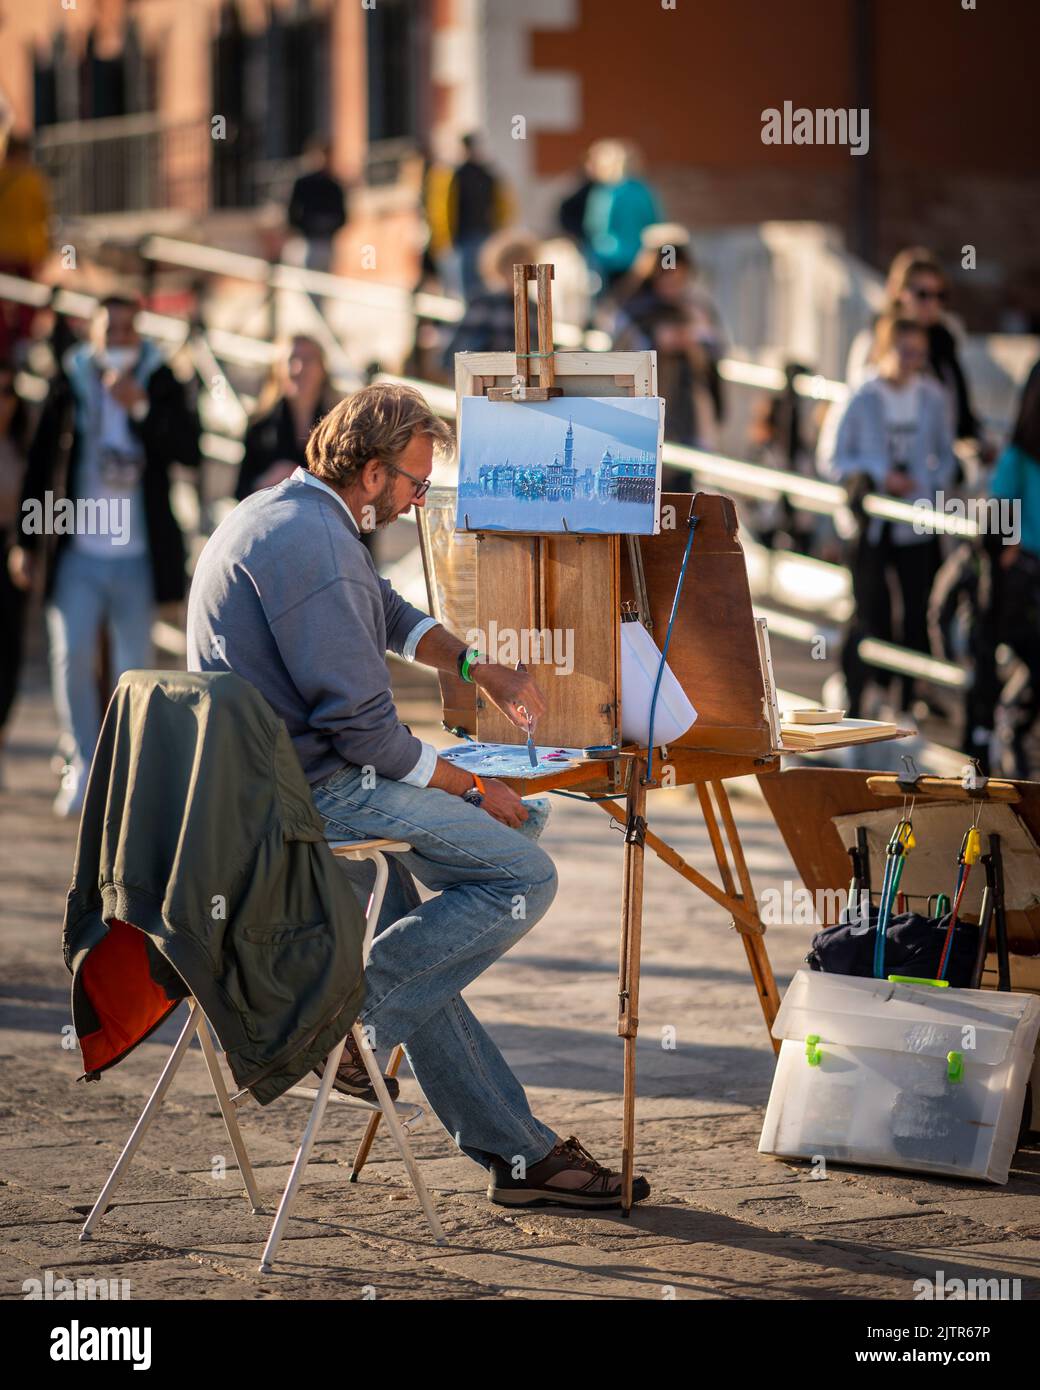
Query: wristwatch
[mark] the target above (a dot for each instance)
(475, 795)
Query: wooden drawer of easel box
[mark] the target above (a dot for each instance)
(552, 602)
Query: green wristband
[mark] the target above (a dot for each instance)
(468, 659)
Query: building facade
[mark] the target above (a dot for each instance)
(952, 122)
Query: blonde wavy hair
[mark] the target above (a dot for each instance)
(376, 422)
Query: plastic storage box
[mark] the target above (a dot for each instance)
(900, 1076)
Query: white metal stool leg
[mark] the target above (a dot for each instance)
(375, 898)
(230, 1118)
(148, 1114)
(302, 1158)
(399, 1137)
(375, 903)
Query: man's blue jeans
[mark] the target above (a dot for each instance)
(492, 884)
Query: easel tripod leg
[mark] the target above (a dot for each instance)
(628, 968)
(754, 943)
(669, 856)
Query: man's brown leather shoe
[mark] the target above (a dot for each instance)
(567, 1176)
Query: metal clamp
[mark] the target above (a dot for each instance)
(635, 831)
(908, 782)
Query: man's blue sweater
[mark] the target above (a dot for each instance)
(286, 596)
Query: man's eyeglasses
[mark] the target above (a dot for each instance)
(421, 485)
(938, 295)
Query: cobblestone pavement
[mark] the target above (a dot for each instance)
(723, 1222)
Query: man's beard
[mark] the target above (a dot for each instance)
(384, 509)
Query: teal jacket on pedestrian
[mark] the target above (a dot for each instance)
(1017, 477)
(202, 868)
(616, 215)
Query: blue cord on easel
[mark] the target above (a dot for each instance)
(664, 650)
(884, 911)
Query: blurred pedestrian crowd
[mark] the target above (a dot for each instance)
(117, 420)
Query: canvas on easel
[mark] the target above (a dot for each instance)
(575, 464)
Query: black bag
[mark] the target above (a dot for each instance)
(913, 946)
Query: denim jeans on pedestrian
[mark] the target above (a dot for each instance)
(91, 592)
(492, 884)
(469, 249)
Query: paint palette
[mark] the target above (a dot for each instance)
(510, 759)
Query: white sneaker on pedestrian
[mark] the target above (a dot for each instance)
(69, 801)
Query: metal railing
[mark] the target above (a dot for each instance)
(436, 308)
(394, 303)
(751, 480)
(143, 162)
(224, 418)
(125, 164)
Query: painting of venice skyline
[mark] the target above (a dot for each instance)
(575, 463)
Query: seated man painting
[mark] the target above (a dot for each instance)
(286, 595)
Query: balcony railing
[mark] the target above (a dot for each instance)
(145, 162)
(126, 164)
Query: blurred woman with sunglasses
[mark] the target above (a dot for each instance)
(917, 289)
(295, 396)
(890, 437)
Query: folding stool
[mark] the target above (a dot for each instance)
(400, 1116)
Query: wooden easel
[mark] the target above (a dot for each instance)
(715, 654)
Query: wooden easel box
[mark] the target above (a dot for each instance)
(576, 583)
(805, 801)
